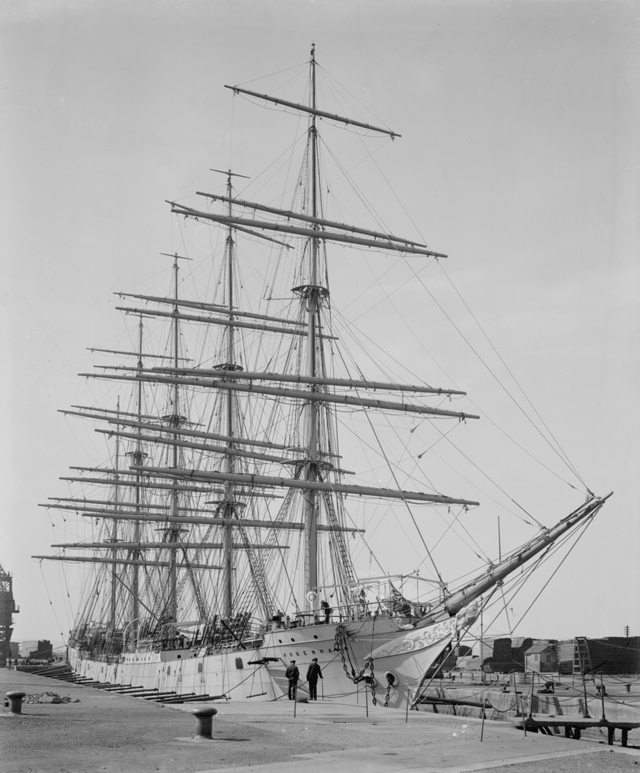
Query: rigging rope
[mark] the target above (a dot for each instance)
(580, 534)
(53, 609)
(407, 506)
(558, 448)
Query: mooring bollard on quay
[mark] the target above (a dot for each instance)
(204, 718)
(15, 701)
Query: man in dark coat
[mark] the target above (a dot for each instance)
(292, 673)
(314, 672)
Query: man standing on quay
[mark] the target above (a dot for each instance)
(314, 672)
(292, 673)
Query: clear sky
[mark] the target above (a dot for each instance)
(518, 158)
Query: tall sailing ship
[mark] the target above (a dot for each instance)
(225, 524)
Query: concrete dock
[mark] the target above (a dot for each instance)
(105, 731)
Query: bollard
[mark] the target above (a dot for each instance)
(204, 717)
(15, 699)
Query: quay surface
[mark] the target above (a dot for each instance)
(113, 733)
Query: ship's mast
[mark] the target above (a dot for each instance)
(114, 535)
(312, 294)
(227, 510)
(173, 533)
(137, 457)
(228, 506)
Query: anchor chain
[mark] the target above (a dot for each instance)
(341, 645)
(388, 692)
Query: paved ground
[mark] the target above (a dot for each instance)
(117, 734)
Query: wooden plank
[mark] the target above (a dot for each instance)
(552, 720)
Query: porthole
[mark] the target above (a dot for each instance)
(314, 636)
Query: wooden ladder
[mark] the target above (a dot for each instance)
(581, 657)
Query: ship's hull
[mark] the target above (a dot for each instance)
(184, 671)
(359, 659)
